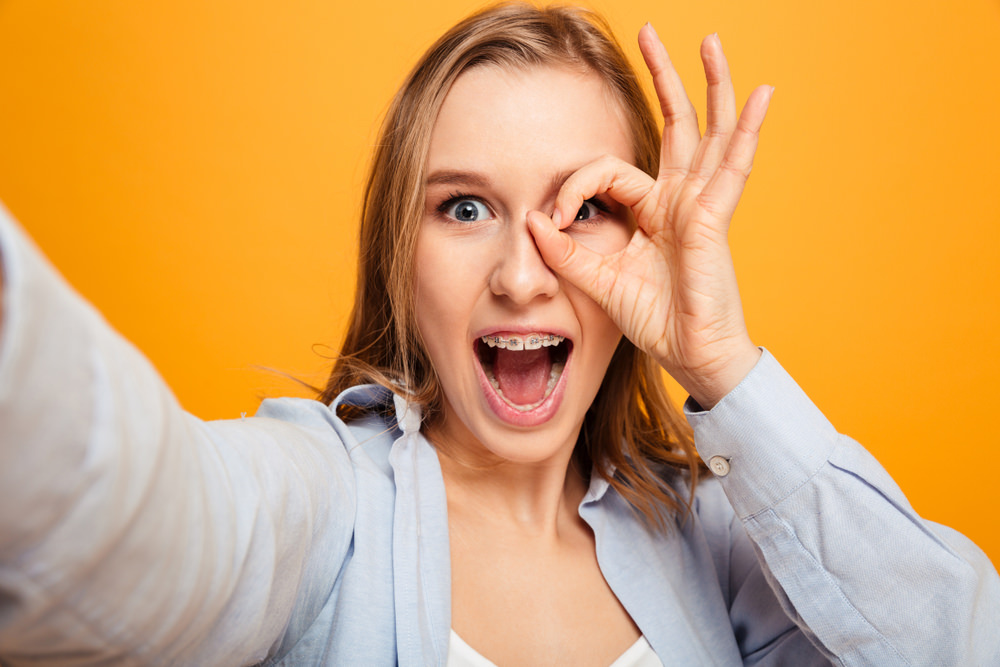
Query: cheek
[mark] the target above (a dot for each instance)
(443, 300)
(429, 287)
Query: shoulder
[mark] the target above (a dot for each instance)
(373, 425)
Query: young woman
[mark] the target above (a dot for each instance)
(494, 472)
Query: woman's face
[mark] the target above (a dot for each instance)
(519, 352)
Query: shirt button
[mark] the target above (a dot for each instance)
(719, 465)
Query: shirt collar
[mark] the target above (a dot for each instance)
(597, 489)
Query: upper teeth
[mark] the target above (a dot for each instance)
(528, 342)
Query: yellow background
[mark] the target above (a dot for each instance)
(193, 168)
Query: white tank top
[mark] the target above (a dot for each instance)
(460, 654)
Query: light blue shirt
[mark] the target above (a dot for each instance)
(132, 532)
(867, 581)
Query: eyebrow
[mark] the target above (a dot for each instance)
(455, 177)
(471, 178)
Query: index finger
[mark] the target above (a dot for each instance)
(623, 182)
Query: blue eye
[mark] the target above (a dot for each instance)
(466, 210)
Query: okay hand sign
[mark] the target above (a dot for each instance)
(672, 290)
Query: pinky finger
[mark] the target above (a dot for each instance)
(722, 193)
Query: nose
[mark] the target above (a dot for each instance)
(519, 273)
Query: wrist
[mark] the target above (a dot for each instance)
(710, 383)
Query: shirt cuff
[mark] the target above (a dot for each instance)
(764, 439)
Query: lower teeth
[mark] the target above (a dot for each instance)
(554, 373)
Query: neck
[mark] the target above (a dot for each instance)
(537, 498)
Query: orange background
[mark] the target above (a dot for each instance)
(194, 168)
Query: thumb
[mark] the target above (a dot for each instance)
(569, 259)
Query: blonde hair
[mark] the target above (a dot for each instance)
(632, 435)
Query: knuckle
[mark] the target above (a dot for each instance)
(741, 168)
(607, 163)
(747, 133)
(671, 171)
(673, 116)
(709, 205)
(718, 133)
(567, 254)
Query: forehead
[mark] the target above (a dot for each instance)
(534, 119)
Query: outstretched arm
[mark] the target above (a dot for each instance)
(130, 531)
(1, 295)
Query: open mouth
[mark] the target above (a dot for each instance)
(523, 369)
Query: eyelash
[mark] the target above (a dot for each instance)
(456, 197)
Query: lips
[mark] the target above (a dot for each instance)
(523, 375)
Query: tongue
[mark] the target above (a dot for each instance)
(523, 376)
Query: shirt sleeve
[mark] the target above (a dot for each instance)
(859, 572)
(130, 531)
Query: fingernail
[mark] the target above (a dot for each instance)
(717, 39)
(655, 34)
(557, 218)
(772, 93)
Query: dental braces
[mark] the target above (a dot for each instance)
(531, 342)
